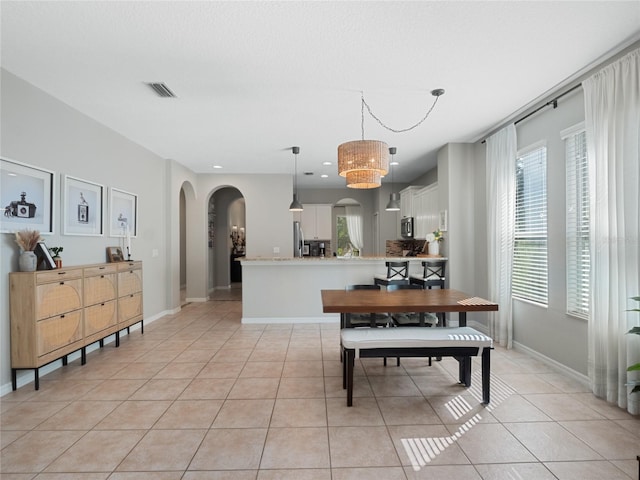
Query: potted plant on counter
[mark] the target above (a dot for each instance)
(27, 241)
(433, 242)
(55, 253)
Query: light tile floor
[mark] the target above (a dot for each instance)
(201, 396)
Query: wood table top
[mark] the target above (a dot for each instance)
(410, 300)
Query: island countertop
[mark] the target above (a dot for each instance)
(335, 260)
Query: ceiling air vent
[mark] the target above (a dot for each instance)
(162, 90)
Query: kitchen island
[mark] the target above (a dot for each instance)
(287, 290)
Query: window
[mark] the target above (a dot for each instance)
(578, 255)
(344, 246)
(530, 278)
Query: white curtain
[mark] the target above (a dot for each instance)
(612, 120)
(354, 226)
(501, 201)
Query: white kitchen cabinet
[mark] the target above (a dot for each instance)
(316, 221)
(407, 201)
(426, 211)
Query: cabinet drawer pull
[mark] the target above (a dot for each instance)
(101, 268)
(61, 316)
(101, 276)
(61, 283)
(61, 273)
(102, 304)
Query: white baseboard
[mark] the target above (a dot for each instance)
(559, 367)
(260, 320)
(196, 299)
(577, 376)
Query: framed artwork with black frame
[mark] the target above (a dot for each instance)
(44, 256)
(26, 196)
(123, 213)
(82, 207)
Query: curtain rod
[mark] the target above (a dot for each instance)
(553, 101)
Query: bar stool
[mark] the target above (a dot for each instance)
(397, 274)
(432, 274)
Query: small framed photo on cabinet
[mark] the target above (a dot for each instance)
(114, 254)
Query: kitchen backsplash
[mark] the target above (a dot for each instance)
(397, 248)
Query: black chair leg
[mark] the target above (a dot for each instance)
(350, 360)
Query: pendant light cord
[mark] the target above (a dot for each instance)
(436, 93)
(295, 173)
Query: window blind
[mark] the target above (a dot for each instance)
(530, 277)
(577, 198)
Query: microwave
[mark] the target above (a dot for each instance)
(406, 227)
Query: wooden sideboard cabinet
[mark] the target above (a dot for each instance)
(129, 296)
(56, 312)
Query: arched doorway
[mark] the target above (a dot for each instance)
(227, 236)
(186, 197)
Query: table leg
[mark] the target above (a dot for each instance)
(462, 319)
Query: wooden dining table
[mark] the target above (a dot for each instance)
(346, 302)
(443, 300)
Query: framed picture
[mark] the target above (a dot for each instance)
(443, 224)
(26, 193)
(44, 256)
(82, 207)
(114, 254)
(123, 214)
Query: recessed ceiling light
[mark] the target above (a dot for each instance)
(327, 163)
(324, 175)
(217, 166)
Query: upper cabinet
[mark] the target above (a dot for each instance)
(316, 221)
(407, 204)
(426, 211)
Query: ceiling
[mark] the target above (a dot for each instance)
(253, 79)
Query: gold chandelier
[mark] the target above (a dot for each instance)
(364, 162)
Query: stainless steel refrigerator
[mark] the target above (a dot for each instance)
(298, 239)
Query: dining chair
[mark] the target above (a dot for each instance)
(397, 274)
(365, 319)
(432, 274)
(412, 319)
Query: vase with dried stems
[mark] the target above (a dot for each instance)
(27, 240)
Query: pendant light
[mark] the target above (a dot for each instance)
(364, 162)
(394, 198)
(295, 206)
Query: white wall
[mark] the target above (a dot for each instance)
(549, 330)
(39, 130)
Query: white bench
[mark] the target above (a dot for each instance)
(462, 343)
